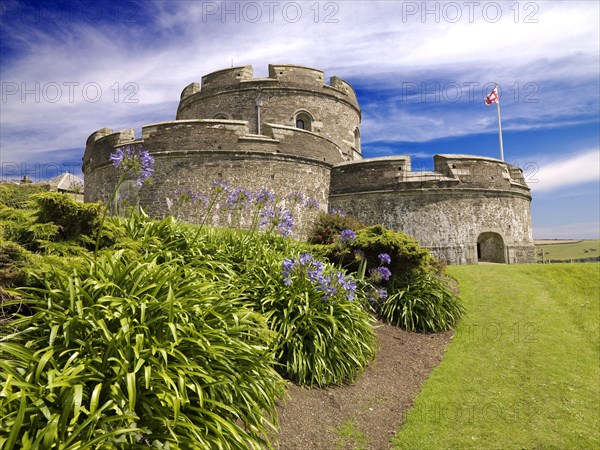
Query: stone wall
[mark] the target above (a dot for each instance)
(191, 154)
(446, 214)
(448, 222)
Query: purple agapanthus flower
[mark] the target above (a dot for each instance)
(277, 219)
(185, 195)
(219, 186)
(239, 198)
(338, 211)
(133, 160)
(296, 197)
(311, 204)
(359, 255)
(384, 258)
(380, 273)
(330, 284)
(287, 266)
(348, 284)
(305, 264)
(264, 197)
(306, 258)
(328, 288)
(347, 235)
(316, 274)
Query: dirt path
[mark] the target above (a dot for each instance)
(366, 414)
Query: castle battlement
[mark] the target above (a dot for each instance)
(280, 75)
(450, 172)
(196, 136)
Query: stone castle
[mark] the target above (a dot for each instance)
(293, 132)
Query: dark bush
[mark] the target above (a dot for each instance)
(329, 226)
(13, 261)
(75, 220)
(405, 252)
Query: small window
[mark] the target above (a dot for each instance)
(357, 139)
(303, 121)
(221, 116)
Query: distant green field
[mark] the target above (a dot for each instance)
(522, 370)
(567, 251)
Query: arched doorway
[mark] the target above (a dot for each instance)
(490, 248)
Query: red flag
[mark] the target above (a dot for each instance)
(492, 97)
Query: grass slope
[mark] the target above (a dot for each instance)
(523, 369)
(567, 251)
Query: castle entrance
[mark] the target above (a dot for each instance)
(490, 248)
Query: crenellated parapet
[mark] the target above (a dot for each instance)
(481, 172)
(101, 143)
(280, 76)
(211, 135)
(450, 172)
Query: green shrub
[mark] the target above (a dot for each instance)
(14, 224)
(422, 302)
(328, 226)
(59, 225)
(21, 226)
(140, 232)
(405, 252)
(415, 297)
(74, 220)
(132, 353)
(14, 259)
(320, 342)
(19, 196)
(15, 215)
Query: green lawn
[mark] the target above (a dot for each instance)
(523, 371)
(567, 251)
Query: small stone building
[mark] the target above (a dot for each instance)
(293, 132)
(68, 184)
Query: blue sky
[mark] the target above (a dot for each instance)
(420, 70)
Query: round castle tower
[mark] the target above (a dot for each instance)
(469, 209)
(293, 96)
(283, 133)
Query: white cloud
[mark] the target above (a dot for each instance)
(575, 169)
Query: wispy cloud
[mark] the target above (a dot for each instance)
(575, 169)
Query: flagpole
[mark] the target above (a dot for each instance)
(499, 128)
